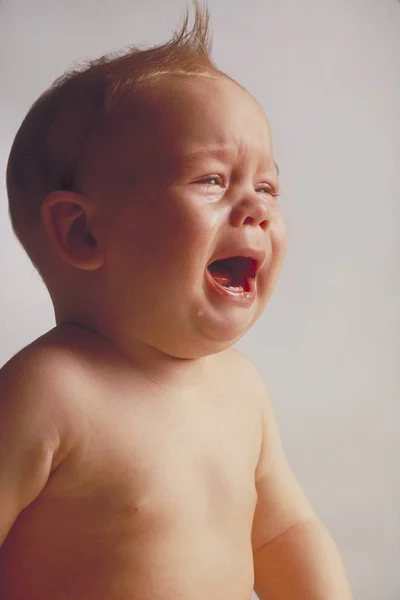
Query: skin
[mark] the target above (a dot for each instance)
(161, 264)
(143, 457)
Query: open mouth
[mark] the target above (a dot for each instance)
(235, 273)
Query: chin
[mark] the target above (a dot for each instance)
(203, 343)
(216, 335)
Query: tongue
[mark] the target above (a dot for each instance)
(221, 274)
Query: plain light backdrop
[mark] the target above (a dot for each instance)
(327, 74)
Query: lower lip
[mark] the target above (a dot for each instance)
(239, 298)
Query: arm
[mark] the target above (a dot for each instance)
(302, 563)
(295, 558)
(28, 438)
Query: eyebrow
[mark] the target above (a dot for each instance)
(218, 152)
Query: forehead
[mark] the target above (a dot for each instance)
(187, 120)
(201, 115)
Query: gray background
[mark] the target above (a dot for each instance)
(327, 74)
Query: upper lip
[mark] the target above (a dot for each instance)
(256, 254)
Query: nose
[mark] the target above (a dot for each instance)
(252, 209)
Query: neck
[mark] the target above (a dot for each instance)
(162, 369)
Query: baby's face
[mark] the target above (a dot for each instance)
(199, 183)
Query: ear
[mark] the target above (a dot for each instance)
(68, 218)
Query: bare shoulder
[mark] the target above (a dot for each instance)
(33, 401)
(37, 387)
(27, 391)
(249, 379)
(247, 376)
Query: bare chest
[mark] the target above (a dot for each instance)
(162, 455)
(155, 483)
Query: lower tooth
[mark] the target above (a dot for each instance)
(235, 289)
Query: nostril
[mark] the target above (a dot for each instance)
(251, 221)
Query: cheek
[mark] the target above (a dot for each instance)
(186, 225)
(127, 241)
(279, 238)
(166, 232)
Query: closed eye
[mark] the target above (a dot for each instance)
(270, 190)
(212, 180)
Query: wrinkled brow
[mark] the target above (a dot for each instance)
(216, 152)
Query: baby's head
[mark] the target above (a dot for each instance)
(129, 177)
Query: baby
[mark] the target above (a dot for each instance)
(139, 454)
